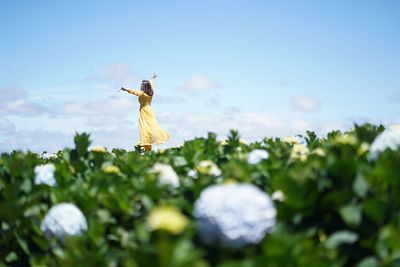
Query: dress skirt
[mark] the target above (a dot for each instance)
(150, 131)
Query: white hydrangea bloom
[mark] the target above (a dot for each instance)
(192, 174)
(208, 167)
(49, 156)
(167, 174)
(257, 155)
(278, 196)
(233, 215)
(394, 127)
(44, 174)
(64, 219)
(390, 138)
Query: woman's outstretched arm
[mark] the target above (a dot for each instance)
(152, 84)
(131, 91)
(152, 81)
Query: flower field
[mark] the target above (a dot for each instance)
(294, 201)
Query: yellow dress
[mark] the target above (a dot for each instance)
(151, 132)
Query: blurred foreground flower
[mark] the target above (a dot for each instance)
(364, 147)
(44, 174)
(167, 218)
(278, 196)
(208, 167)
(63, 219)
(389, 138)
(346, 139)
(290, 140)
(299, 152)
(223, 142)
(394, 127)
(167, 175)
(98, 149)
(243, 141)
(257, 155)
(49, 156)
(233, 215)
(192, 174)
(111, 169)
(318, 151)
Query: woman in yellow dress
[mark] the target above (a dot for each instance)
(150, 131)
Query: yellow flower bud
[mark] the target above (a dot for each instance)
(167, 218)
(299, 152)
(99, 149)
(319, 151)
(290, 140)
(346, 139)
(111, 169)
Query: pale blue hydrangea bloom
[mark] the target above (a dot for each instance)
(233, 215)
(257, 155)
(167, 175)
(64, 219)
(44, 174)
(390, 138)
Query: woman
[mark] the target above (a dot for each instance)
(150, 131)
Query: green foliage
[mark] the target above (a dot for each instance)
(339, 209)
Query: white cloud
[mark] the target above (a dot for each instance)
(306, 103)
(15, 101)
(6, 125)
(37, 141)
(198, 83)
(113, 105)
(300, 126)
(116, 74)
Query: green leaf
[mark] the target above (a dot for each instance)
(12, 256)
(360, 186)
(341, 237)
(23, 245)
(368, 262)
(351, 214)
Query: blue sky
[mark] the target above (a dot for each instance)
(265, 68)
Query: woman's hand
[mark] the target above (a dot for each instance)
(123, 89)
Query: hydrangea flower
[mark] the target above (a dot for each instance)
(223, 142)
(64, 219)
(243, 141)
(346, 139)
(290, 140)
(278, 196)
(111, 169)
(192, 174)
(167, 174)
(257, 155)
(49, 156)
(208, 167)
(299, 152)
(44, 174)
(390, 138)
(167, 218)
(319, 151)
(364, 147)
(100, 149)
(233, 215)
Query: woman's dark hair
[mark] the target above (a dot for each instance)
(147, 87)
